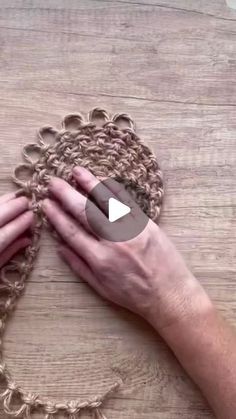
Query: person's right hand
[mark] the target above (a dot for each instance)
(146, 274)
(15, 220)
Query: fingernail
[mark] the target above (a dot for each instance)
(54, 182)
(31, 228)
(50, 182)
(77, 170)
(30, 205)
(20, 192)
(48, 203)
(45, 203)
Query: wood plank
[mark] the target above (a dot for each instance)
(171, 65)
(86, 339)
(182, 57)
(211, 8)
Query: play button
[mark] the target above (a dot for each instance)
(112, 213)
(116, 210)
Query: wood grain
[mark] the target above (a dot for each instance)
(171, 65)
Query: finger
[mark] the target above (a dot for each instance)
(85, 178)
(73, 201)
(88, 182)
(120, 192)
(11, 231)
(79, 266)
(15, 247)
(7, 197)
(11, 209)
(73, 233)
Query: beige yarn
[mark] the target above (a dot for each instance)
(107, 151)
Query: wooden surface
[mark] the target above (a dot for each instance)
(172, 66)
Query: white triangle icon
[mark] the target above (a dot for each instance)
(116, 210)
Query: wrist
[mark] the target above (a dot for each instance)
(194, 324)
(181, 309)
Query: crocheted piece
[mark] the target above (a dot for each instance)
(108, 149)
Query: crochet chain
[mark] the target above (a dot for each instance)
(108, 147)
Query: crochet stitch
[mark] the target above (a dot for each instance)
(107, 149)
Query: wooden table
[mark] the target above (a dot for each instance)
(172, 66)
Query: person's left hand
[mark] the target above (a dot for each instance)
(15, 220)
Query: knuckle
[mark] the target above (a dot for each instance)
(71, 232)
(102, 262)
(103, 201)
(88, 184)
(79, 213)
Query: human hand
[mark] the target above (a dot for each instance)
(146, 274)
(15, 220)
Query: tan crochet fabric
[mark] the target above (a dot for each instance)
(107, 151)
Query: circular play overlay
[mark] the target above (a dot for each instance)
(112, 214)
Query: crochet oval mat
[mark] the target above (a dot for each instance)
(108, 147)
